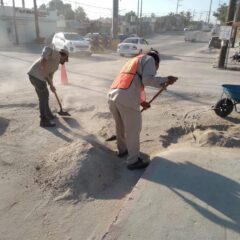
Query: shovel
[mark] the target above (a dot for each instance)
(61, 112)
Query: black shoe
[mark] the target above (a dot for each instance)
(138, 165)
(47, 124)
(123, 154)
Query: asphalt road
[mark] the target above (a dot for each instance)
(24, 144)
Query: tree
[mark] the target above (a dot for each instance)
(56, 5)
(171, 14)
(62, 9)
(153, 15)
(80, 14)
(184, 17)
(129, 16)
(221, 13)
(43, 7)
(68, 12)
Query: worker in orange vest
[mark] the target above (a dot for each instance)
(124, 99)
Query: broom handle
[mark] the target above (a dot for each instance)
(156, 95)
(60, 105)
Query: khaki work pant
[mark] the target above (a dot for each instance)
(128, 127)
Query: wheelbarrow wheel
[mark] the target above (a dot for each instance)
(224, 107)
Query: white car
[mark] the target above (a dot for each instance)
(133, 46)
(89, 36)
(71, 41)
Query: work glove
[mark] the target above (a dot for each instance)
(145, 105)
(171, 80)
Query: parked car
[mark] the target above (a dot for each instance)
(215, 42)
(71, 41)
(89, 36)
(122, 37)
(133, 46)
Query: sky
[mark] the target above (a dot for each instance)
(103, 8)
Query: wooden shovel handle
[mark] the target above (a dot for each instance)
(60, 105)
(156, 95)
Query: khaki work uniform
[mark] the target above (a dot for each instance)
(124, 105)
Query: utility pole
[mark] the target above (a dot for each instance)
(23, 3)
(236, 19)
(15, 22)
(206, 20)
(115, 19)
(36, 19)
(140, 31)
(178, 5)
(138, 17)
(225, 43)
(193, 15)
(209, 14)
(2, 3)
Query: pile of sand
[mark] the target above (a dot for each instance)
(205, 129)
(104, 123)
(204, 136)
(228, 137)
(78, 171)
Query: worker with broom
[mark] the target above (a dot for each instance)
(124, 99)
(40, 73)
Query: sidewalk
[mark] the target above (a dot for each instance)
(185, 194)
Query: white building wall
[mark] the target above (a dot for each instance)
(25, 22)
(5, 36)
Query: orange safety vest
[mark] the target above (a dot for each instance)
(126, 75)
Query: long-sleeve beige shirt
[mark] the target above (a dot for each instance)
(53, 57)
(146, 72)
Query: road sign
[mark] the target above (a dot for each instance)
(225, 32)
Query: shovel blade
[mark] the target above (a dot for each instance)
(112, 138)
(62, 113)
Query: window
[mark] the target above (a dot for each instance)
(131, 40)
(72, 37)
(143, 41)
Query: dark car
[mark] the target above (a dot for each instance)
(122, 37)
(215, 42)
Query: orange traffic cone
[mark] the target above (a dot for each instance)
(64, 78)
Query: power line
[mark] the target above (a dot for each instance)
(88, 5)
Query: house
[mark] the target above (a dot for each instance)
(144, 26)
(25, 25)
